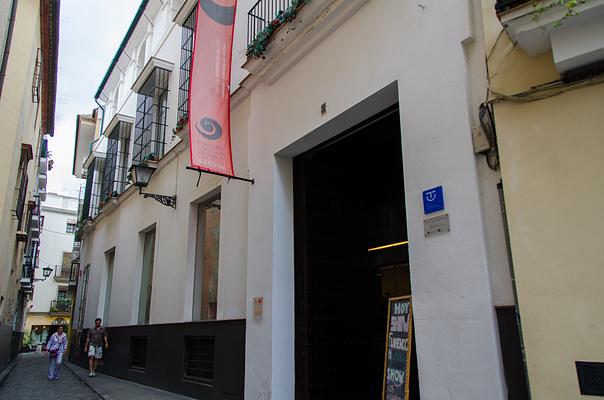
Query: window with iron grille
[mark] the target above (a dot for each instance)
(116, 163)
(21, 187)
(186, 54)
(199, 357)
(71, 227)
(92, 192)
(138, 352)
(151, 113)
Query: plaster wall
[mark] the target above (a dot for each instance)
(551, 155)
(419, 53)
(54, 241)
(5, 8)
(549, 164)
(20, 123)
(174, 252)
(457, 341)
(33, 320)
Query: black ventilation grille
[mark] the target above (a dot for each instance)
(591, 378)
(199, 357)
(138, 352)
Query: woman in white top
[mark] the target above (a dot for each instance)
(56, 347)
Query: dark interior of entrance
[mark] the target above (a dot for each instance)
(348, 204)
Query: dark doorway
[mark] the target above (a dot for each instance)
(348, 199)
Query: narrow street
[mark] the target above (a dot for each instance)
(28, 381)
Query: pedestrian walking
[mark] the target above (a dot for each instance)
(96, 339)
(56, 348)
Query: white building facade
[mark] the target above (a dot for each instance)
(52, 301)
(276, 289)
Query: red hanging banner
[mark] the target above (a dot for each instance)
(209, 87)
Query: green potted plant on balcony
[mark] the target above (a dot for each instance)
(258, 45)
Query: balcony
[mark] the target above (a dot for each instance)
(62, 274)
(35, 232)
(42, 180)
(35, 221)
(537, 27)
(75, 251)
(60, 307)
(26, 285)
(74, 273)
(43, 168)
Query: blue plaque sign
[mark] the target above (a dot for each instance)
(434, 200)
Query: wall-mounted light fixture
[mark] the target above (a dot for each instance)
(46, 271)
(141, 174)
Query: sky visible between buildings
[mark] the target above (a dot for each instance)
(90, 33)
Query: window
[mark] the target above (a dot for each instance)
(144, 305)
(199, 357)
(116, 164)
(41, 221)
(151, 113)
(92, 192)
(186, 54)
(206, 259)
(22, 181)
(71, 227)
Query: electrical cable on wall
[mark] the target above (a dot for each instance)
(544, 91)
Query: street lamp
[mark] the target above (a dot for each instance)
(141, 174)
(46, 271)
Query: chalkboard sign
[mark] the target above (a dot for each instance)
(398, 349)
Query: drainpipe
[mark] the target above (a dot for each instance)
(9, 38)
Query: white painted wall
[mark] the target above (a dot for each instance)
(57, 210)
(420, 50)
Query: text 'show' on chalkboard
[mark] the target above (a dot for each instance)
(397, 359)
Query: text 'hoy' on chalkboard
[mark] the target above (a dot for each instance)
(397, 360)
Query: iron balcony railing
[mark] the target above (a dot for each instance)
(262, 14)
(186, 55)
(503, 5)
(60, 306)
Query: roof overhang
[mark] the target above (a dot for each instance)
(148, 69)
(49, 21)
(184, 12)
(117, 118)
(92, 156)
(133, 24)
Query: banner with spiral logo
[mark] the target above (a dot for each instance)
(209, 87)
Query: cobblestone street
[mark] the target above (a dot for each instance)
(28, 381)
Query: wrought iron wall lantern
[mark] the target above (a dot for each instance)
(141, 174)
(46, 271)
